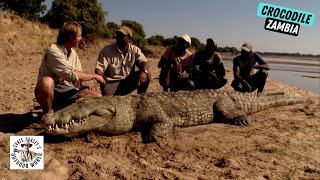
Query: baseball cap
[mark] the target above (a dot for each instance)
(125, 30)
(186, 38)
(247, 46)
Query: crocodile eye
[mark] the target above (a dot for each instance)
(112, 109)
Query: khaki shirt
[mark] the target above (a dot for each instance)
(59, 66)
(203, 61)
(115, 64)
(185, 61)
(182, 64)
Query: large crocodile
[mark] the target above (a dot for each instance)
(158, 112)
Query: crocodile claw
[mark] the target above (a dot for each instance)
(242, 121)
(149, 139)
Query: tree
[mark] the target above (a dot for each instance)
(112, 27)
(196, 43)
(135, 26)
(170, 41)
(228, 49)
(30, 9)
(89, 13)
(157, 40)
(138, 37)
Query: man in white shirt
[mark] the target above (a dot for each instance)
(117, 62)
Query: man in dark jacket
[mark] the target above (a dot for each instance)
(208, 70)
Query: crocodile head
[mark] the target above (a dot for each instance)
(87, 114)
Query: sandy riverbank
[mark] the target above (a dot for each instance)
(282, 143)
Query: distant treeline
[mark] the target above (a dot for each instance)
(289, 54)
(92, 17)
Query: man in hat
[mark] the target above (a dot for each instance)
(117, 62)
(175, 64)
(245, 78)
(25, 155)
(208, 71)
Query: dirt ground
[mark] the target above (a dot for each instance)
(282, 143)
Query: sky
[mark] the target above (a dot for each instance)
(230, 22)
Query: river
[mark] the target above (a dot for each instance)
(304, 74)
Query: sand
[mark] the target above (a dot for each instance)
(282, 143)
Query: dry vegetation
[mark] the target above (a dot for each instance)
(282, 143)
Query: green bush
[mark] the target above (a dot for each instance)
(170, 41)
(30, 9)
(138, 37)
(88, 13)
(157, 40)
(196, 43)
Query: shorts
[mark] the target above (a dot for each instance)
(65, 95)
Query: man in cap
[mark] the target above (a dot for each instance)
(175, 64)
(116, 63)
(245, 78)
(208, 71)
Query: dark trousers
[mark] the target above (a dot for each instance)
(178, 82)
(256, 81)
(208, 80)
(181, 84)
(125, 86)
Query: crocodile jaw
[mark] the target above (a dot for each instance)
(77, 127)
(78, 118)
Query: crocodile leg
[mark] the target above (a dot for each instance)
(153, 119)
(225, 111)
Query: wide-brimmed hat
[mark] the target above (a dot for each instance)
(247, 46)
(186, 37)
(125, 30)
(26, 144)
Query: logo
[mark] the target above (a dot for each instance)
(26, 152)
(284, 20)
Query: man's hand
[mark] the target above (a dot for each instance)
(100, 79)
(247, 86)
(143, 78)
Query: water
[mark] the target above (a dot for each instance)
(305, 77)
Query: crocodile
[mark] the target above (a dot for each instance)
(159, 112)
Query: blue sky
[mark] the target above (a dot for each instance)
(231, 22)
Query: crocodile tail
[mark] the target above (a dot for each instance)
(252, 104)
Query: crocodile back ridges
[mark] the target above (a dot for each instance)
(184, 108)
(251, 105)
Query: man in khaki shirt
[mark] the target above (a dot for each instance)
(175, 64)
(117, 62)
(60, 78)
